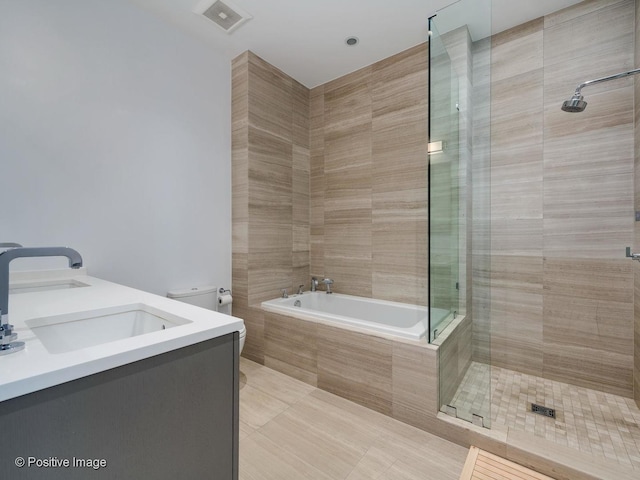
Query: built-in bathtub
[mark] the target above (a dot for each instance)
(381, 316)
(373, 352)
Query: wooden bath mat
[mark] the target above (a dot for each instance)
(481, 465)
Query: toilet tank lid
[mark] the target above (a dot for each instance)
(190, 292)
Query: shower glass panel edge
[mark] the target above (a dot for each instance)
(459, 56)
(443, 192)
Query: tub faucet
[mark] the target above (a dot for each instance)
(7, 336)
(301, 289)
(328, 282)
(314, 284)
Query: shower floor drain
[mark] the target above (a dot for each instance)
(542, 410)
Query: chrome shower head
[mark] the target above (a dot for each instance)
(575, 105)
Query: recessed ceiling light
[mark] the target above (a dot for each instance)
(351, 41)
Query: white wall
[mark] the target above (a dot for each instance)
(115, 140)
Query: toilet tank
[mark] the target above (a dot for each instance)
(205, 297)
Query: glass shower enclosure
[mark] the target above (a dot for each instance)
(459, 206)
(444, 160)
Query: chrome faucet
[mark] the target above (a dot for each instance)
(314, 284)
(328, 282)
(301, 289)
(7, 336)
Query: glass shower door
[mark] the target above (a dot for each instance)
(459, 201)
(444, 153)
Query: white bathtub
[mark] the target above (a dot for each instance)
(391, 318)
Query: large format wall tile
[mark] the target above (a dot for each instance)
(400, 81)
(516, 198)
(368, 179)
(517, 51)
(588, 199)
(562, 191)
(516, 313)
(270, 98)
(356, 366)
(598, 370)
(636, 244)
(414, 384)
(514, 122)
(636, 335)
(317, 182)
(587, 333)
(291, 347)
(271, 196)
(566, 42)
(578, 10)
(454, 357)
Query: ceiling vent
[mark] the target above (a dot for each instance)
(224, 14)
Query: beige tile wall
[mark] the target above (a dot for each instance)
(270, 176)
(480, 238)
(636, 266)
(394, 377)
(334, 178)
(368, 179)
(561, 198)
(560, 207)
(454, 356)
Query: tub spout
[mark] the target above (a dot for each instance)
(328, 282)
(314, 284)
(7, 336)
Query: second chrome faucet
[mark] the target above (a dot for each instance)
(327, 282)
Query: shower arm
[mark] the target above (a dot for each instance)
(605, 79)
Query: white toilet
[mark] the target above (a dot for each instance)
(205, 297)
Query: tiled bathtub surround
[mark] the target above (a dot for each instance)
(562, 197)
(394, 377)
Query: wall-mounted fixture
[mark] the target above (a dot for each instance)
(435, 147)
(577, 104)
(632, 256)
(225, 14)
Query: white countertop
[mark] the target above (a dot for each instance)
(34, 368)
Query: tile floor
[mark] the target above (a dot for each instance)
(290, 430)
(597, 423)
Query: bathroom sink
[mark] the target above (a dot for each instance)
(66, 333)
(43, 286)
